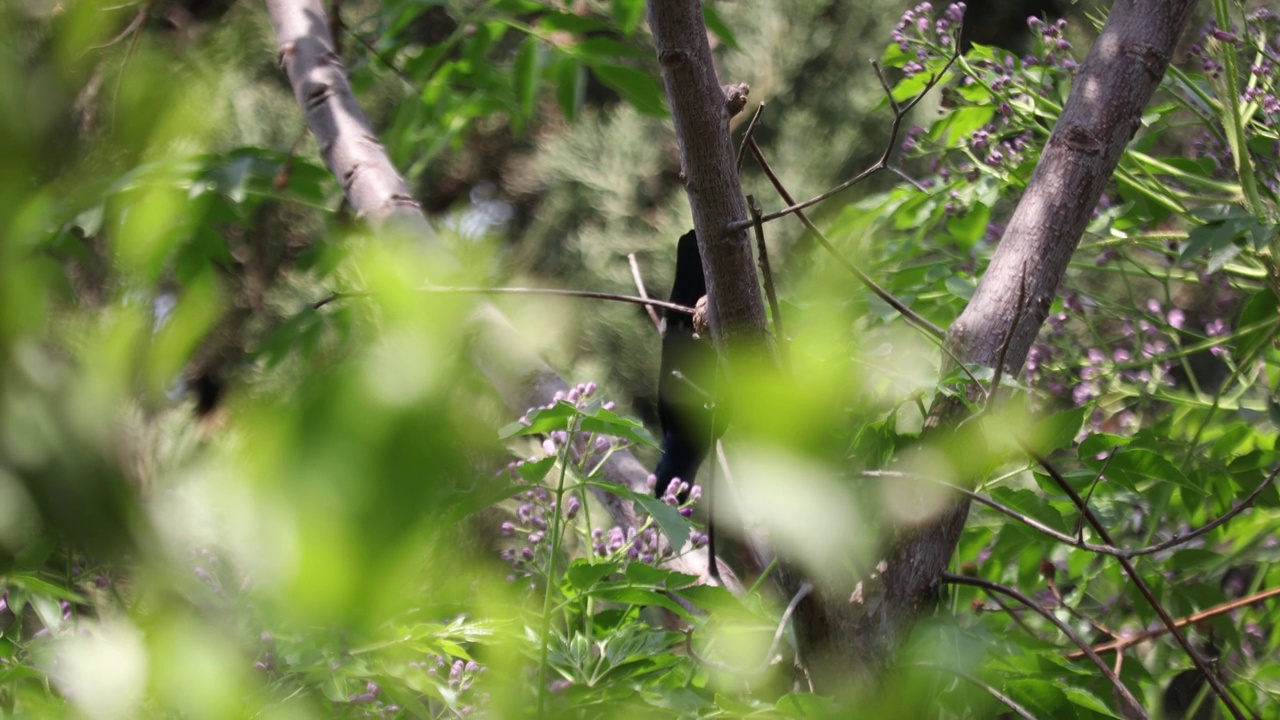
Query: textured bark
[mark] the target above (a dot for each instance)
(700, 111)
(348, 143)
(1102, 114)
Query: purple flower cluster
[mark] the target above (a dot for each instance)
(1054, 47)
(530, 532)
(460, 677)
(1140, 354)
(580, 397)
(630, 545)
(1258, 47)
(917, 32)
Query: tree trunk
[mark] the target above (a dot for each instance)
(709, 170)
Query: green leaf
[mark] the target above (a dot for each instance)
(962, 286)
(1134, 467)
(708, 597)
(524, 75)
(734, 706)
(1031, 504)
(1087, 700)
(570, 79)
(711, 18)
(572, 23)
(638, 88)
(673, 524)
(1259, 310)
(1041, 697)
(641, 596)
(1059, 431)
(645, 574)
(35, 585)
(607, 422)
(541, 421)
(1099, 444)
(627, 14)
(804, 705)
(969, 228)
(954, 129)
(534, 471)
(583, 574)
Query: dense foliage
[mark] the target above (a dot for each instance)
(246, 466)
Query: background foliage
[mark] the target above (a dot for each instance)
(245, 467)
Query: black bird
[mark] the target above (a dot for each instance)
(689, 422)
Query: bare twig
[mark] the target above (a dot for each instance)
(673, 307)
(645, 301)
(1097, 478)
(1127, 564)
(899, 114)
(1097, 626)
(746, 135)
(766, 273)
(911, 316)
(1135, 708)
(1014, 615)
(1124, 642)
(635, 275)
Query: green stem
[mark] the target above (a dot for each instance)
(551, 580)
(1155, 164)
(1233, 117)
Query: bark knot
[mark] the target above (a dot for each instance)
(1152, 58)
(673, 58)
(735, 97)
(1080, 139)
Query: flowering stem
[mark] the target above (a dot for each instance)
(552, 583)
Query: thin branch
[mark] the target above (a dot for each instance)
(766, 273)
(134, 25)
(387, 62)
(1127, 564)
(1124, 642)
(1004, 699)
(911, 316)
(673, 307)
(1097, 626)
(1014, 615)
(1097, 478)
(800, 595)
(899, 114)
(1071, 541)
(746, 135)
(1135, 708)
(635, 275)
